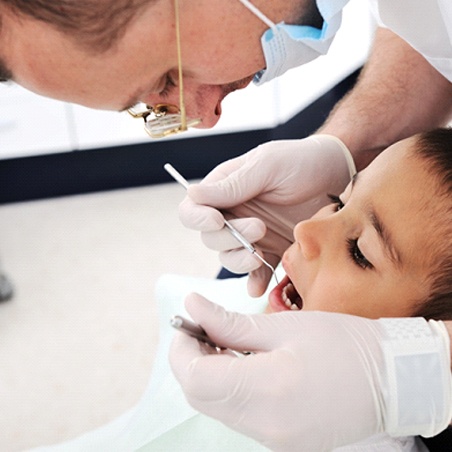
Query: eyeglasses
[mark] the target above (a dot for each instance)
(163, 120)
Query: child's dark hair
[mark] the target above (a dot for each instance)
(435, 148)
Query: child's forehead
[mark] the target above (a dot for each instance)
(403, 192)
(394, 164)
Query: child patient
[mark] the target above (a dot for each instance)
(380, 249)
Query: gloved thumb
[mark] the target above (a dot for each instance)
(259, 332)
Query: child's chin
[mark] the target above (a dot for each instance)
(269, 310)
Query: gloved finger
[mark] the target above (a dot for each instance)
(200, 217)
(239, 261)
(260, 278)
(184, 352)
(207, 378)
(258, 281)
(259, 332)
(243, 261)
(224, 169)
(232, 189)
(252, 229)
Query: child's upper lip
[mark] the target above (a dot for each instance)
(287, 266)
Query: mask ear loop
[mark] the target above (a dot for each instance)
(258, 13)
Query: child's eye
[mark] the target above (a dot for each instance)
(337, 202)
(356, 254)
(353, 249)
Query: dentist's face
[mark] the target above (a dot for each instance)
(220, 53)
(370, 253)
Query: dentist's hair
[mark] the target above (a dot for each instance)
(435, 149)
(96, 25)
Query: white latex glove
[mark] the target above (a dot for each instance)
(269, 190)
(319, 380)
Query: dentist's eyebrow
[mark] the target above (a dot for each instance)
(131, 102)
(383, 233)
(5, 73)
(135, 97)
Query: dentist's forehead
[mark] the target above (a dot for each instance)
(44, 60)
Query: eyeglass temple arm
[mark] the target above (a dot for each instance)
(179, 61)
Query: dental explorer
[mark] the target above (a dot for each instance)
(247, 245)
(196, 331)
(192, 329)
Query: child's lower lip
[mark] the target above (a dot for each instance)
(275, 300)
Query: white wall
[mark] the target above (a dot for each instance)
(33, 125)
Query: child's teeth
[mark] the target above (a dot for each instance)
(287, 300)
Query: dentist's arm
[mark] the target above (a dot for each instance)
(318, 380)
(397, 95)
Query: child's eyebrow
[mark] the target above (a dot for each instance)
(382, 232)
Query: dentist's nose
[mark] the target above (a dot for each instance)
(203, 102)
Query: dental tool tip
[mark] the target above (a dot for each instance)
(176, 175)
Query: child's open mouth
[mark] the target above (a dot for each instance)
(285, 297)
(291, 297)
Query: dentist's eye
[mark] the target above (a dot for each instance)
(336, 201)
(356, 254)
(169, 84)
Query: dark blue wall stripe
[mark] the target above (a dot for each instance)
(70, 173)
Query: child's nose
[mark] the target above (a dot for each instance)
(308, 234)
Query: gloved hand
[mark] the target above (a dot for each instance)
(269, 190)
(318, 380)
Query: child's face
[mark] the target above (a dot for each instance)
(369, 254)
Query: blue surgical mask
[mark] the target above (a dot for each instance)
(288, 46)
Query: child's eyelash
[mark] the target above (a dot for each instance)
(352, 244)
(337, 201)
(356, 254)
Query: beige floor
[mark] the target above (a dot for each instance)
(78, 340)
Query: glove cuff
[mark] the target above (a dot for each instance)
(416, 381)
(347, 154)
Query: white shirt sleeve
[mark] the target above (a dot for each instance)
(425, 25)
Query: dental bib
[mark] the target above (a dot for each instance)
(288, 46)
